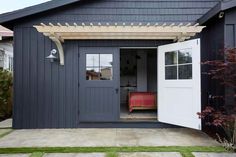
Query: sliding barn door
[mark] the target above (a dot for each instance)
(179, 92)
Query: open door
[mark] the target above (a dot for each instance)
(179, 84)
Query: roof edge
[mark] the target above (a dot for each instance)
(228, 5)
(10, 16)
(221, 6)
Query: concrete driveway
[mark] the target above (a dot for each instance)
(105, 138)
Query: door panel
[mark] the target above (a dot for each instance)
(179, 95)
(99, 84)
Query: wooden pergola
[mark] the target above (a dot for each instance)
(60, 32)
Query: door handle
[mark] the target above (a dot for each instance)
(117, 90)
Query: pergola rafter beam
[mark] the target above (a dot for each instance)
(59, 32)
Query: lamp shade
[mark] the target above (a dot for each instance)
(51, 56)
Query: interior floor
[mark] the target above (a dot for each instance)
(138, 79)
(143, 115)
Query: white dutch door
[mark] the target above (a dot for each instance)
(179, 84)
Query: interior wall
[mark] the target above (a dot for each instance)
(141, 71)
(128, 73)
(152, 71)
(138, 71)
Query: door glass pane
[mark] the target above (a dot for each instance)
(92, 74)
(92, 60)
(99, 66)
(185, 71)
(106, 60)
(171, 58)
(185, 56)
(171, 72)
(106, 73)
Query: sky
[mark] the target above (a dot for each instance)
(11, 5)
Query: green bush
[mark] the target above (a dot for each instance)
(6, 94)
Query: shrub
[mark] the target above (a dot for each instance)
(218, 113)
(6, 95)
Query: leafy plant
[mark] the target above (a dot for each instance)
(218, 113)
(5, 94)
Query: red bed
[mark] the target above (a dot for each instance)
(142, 101)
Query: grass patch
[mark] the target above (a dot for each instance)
(112, 154)
(4, 132)
(187, 154)
(184, 150)
(37, 154)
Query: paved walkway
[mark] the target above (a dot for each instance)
(214, 154)
(76, 155)
(146, 154)
(15, 155)
(6, 124)
(106, 137)
(140, 154)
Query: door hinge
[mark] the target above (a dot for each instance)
(78, 84)
(78, 55)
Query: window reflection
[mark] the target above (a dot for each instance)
(185, 71)
(171, 72)
(106, 73)
(170, 58)
(92, 60)
(105, 60)
(178, 64)
(92, 74)
(99, 66)
(185, 56)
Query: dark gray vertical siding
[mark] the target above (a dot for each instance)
(33, 77)
(212, 42)
(47, 85)
(55, 96)
(71, 85)
(41, 106)
(230, 26)
(26, 77)
(61, 98)
(230, 35)
(45, 93)
(230, 42)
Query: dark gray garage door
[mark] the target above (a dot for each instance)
(99, 84)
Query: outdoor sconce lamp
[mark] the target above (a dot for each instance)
(221, 15)
(52, 55)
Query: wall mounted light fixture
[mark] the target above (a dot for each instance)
(221, 15)
(52, 57)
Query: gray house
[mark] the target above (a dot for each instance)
(115, 63)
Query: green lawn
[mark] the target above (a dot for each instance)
(110, 151)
